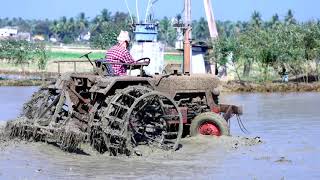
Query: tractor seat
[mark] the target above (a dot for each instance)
(107, 68)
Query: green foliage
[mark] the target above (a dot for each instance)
(106, 27)
(42, 28)
(40, 55)
(256, 20)
(271, 45)
(289, 18)
(23, 52)
(167, 33)
(201, 30)
(105, 35)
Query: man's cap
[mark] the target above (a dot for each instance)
(124, 36)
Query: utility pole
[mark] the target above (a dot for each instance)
(187, 37)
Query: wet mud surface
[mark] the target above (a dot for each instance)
(288, 125)
(41, 161)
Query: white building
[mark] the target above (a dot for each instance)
(8, 32)
(84, 36)
(23, 36)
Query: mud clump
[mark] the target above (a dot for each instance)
(67, 138)
(201, 144)
(245, 141)
(283, 160)
(2, 135)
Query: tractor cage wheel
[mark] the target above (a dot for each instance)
(138, 115)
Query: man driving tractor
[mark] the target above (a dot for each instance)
(120, 54)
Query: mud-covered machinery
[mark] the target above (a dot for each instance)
(117, 114)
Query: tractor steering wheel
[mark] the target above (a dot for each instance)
(144, 60)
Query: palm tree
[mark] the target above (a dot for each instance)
(289, 18)
(100, 20)
(274, 21)
(54, 27)
(256, 20)
(105, 15)
(71, 26)
(82, 23)
(120, 17)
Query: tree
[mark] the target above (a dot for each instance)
(82, 23)
(120, 17)
(289, 18)
(105, 16)
(275, 20)
(20, 53)
(42, 28)
(228, 48)
(311, 31)
(201, 30)
(256, 25)
(107, 35)
(256, 20)
(166, 32)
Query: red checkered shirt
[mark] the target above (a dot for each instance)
(119, 54)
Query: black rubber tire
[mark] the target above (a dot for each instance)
(214, 118)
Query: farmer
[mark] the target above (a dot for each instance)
(284, 74)
(120, 54)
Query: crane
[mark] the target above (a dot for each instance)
(187, 35)
(211, 20)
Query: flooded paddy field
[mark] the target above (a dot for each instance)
(288, 125)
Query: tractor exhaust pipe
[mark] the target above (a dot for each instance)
(187, 37)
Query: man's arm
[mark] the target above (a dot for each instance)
(128, 58)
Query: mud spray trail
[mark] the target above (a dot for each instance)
(40, 161)
(287, 124)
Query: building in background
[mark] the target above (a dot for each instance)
(25, 36)
(13, 33)
(8, 32)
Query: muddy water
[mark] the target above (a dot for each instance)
(11, 100)
(287, 123)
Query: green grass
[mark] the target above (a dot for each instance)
(173, 58)
(61, 56)
(71, 55)
(56, 55)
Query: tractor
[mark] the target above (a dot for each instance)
(116, 114)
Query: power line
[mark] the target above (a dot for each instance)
(129, 11)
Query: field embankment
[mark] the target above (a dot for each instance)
(232, 86)
(29, 75)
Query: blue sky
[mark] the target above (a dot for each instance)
(224, 9)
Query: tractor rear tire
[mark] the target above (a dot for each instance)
(209, 124)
